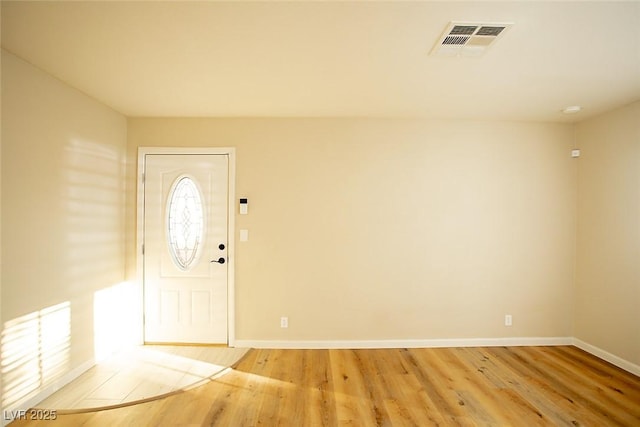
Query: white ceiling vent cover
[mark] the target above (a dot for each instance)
(468, 38)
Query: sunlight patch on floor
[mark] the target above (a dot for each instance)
(142, 373)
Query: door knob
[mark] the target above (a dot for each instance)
(219, 260)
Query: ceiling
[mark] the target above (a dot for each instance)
(333, 59)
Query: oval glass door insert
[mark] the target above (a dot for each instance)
(185, 222)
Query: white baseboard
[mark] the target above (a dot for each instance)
(609, 357)
(428, 343)
(47, 391)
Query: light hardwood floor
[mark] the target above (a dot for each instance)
(501, 386)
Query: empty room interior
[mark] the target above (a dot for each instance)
(320, 213)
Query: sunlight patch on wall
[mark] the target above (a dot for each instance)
(115, 319)
(94, 197)
(34, 352)
(94, 206)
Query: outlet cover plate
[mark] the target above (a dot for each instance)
(508, 320)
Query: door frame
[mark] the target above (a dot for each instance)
(231, 153)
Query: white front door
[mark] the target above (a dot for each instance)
(185, 266)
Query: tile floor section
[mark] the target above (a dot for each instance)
(143, 373)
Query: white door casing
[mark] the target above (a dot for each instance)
(187, 298)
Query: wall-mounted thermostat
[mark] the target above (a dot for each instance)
(244, 206)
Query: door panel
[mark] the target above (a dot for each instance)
(185, 293)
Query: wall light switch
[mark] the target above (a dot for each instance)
(244, 206)
(244, 235)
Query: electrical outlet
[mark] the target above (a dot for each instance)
(508, 320)
(284, 322)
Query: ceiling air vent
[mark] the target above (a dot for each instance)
(468, 39)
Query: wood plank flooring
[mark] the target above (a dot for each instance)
(493, 386)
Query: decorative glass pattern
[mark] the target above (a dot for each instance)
(185, 223)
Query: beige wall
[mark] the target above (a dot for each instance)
(367, 229)
(62, 224)
(608, 249)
